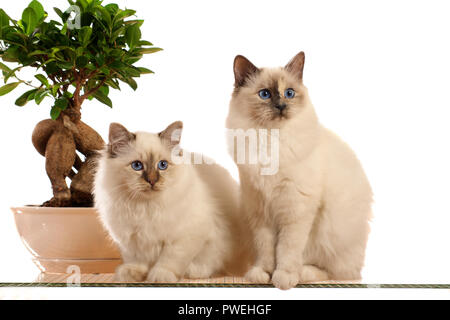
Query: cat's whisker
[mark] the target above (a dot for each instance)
(121, 186)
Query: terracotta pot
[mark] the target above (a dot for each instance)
(59, 238)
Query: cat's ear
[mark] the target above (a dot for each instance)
(296, 65)
(243, 69)
(119, 138)
(171, 136)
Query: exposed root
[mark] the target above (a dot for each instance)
(58, 203)
(58, 141)
(81, 187)
(42, 133)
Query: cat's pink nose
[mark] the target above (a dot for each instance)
(153, 181)
(151, 177)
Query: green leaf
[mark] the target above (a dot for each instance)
(64, 29)
(84, 3)
(117, 65)
(42, 79)
(21, 25)
(100, 96)
(38, 9)
(79, 51)
(104, 90)
(4, 22)
(150, 50)
(10, 74)
(62, 103)
(64, 64)
(132, 22)
(52, 67)
(100, 59)
(106, 16)
(112, 7)
(33, 95)
(133, 35)
(145, 43)
(23, 99)
(68, 95)
(5, 68)
(30, 19)
(58, 12)
(145, 70)
(59, 48)
(11, 55)
(85, 34)
(55, 89)
(113, 84)
(37, 53)
(40, 96)
(8, 88)
(55, 113)
(133, 72)
(82, 61)
(123, 14)
(132, 83)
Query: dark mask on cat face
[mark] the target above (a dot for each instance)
(270, 95)
(143, 161)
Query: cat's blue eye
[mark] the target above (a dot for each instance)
(264, 94)
(289, 93)
(137, 166)
(163, 165)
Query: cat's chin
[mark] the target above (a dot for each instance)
(144, 195)
(150, 193)
(280, 117)
(275, 121)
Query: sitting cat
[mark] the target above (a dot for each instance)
(310, 219)
(170, 219)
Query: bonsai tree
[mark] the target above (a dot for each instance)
(92, 48)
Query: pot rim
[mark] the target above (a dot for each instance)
(51, 210)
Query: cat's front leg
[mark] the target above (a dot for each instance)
(131, 272)
(174, 260)
(133, 268)
(264, 242)
(294, 215)
(162, 275)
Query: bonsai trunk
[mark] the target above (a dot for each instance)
(58, 141)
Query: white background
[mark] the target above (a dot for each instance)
(378, 74)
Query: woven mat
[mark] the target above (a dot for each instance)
(107, 280)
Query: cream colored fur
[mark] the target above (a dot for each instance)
(184, 228)
(310, 221)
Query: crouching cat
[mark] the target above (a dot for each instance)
(170, 219)
(310, 219)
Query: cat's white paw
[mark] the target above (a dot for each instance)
(195, 271)
(162, 275)
(285, 280)
(131, 272)
(257, 275)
